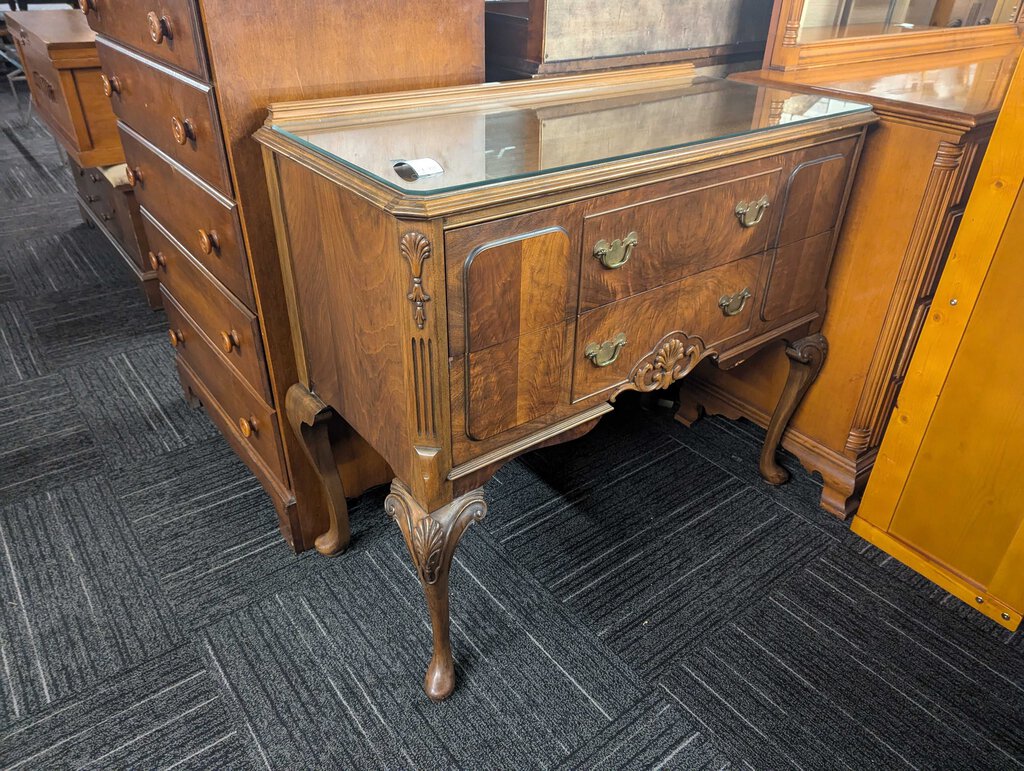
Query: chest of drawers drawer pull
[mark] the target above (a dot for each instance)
(176, 337)
(159, 28)
(87, 5)
(617, 253)
(182, 130)
(750, 213)
(157, 260)
(208, 241)
(229, 340)
(607, 353)
(111, 85)
(92, 198)
(134, 175)
(733, 304)
(248, 426)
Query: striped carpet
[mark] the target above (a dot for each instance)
(636, 599)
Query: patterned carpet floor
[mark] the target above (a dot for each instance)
(636, 599)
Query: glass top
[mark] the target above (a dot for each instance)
(486, 141)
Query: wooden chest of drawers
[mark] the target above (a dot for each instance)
(505, 303)
(58, 52)
(189, 88)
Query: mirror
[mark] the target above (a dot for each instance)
(830, 19)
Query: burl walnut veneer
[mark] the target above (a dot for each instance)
(189, 81)
(588, 235)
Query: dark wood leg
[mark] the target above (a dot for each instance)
(806, 358)
(309, 418)
(431, 538)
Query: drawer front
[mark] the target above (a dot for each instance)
(101, 198)
(250, 417)
(224, 320)
(797, 276)
(199, 218)
(168, 30)
(45, 84)
(176, 114)
(679, 230)
(633, 340)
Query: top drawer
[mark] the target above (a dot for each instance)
(168, 30)
(175, 113)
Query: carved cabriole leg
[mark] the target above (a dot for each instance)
(806, 358)
(309, 418)
(431, 538)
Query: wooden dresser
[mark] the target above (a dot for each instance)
(189, 83)
(527, 38)
(58, 53)
(937, 111)
(945, 497)
(588, 235)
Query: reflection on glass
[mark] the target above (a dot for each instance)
(828, 19)
(485, 141)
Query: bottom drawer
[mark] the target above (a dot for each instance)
(236, 409)
(617, 342)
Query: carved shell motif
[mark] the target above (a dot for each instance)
(676, 357)
(427, 545)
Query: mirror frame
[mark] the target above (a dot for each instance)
(785, 51)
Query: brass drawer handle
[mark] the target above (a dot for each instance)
(111, 85)
(176, 337)
(248, 426)
(752, 212)
(605, 354)
(617, 253)
(183, 130)
(229, 341)
(159, 28)
(157, 260)
(733, 305)
(208, 242)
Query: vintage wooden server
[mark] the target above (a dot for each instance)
(937, 90)
(189, 82)
(588, 235)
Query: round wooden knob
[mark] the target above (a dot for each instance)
(107, 217)
(87, 5)
(94, 177)
(229, 341)
(248, 426)
(157, 260)
(111, 85)
(92, 198)
(208, 241)
(182, 130)
(134, 175)
(159, 27)
(176, 337)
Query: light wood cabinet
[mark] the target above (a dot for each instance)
(945, 497)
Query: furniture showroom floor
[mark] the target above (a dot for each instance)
(685, 616)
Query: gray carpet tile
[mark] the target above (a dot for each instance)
(208, 529)
(86, 324)
(169, 712)
(19, 359)
(45, 439)
(80, 602)
(651, 734)
(344, 657)
(38, 217)
(133, 404)
(73, 259)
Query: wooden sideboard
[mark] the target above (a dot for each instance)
(945, 497)
(589, 235)
(190, 82)
(936, 116)
(527, 38)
